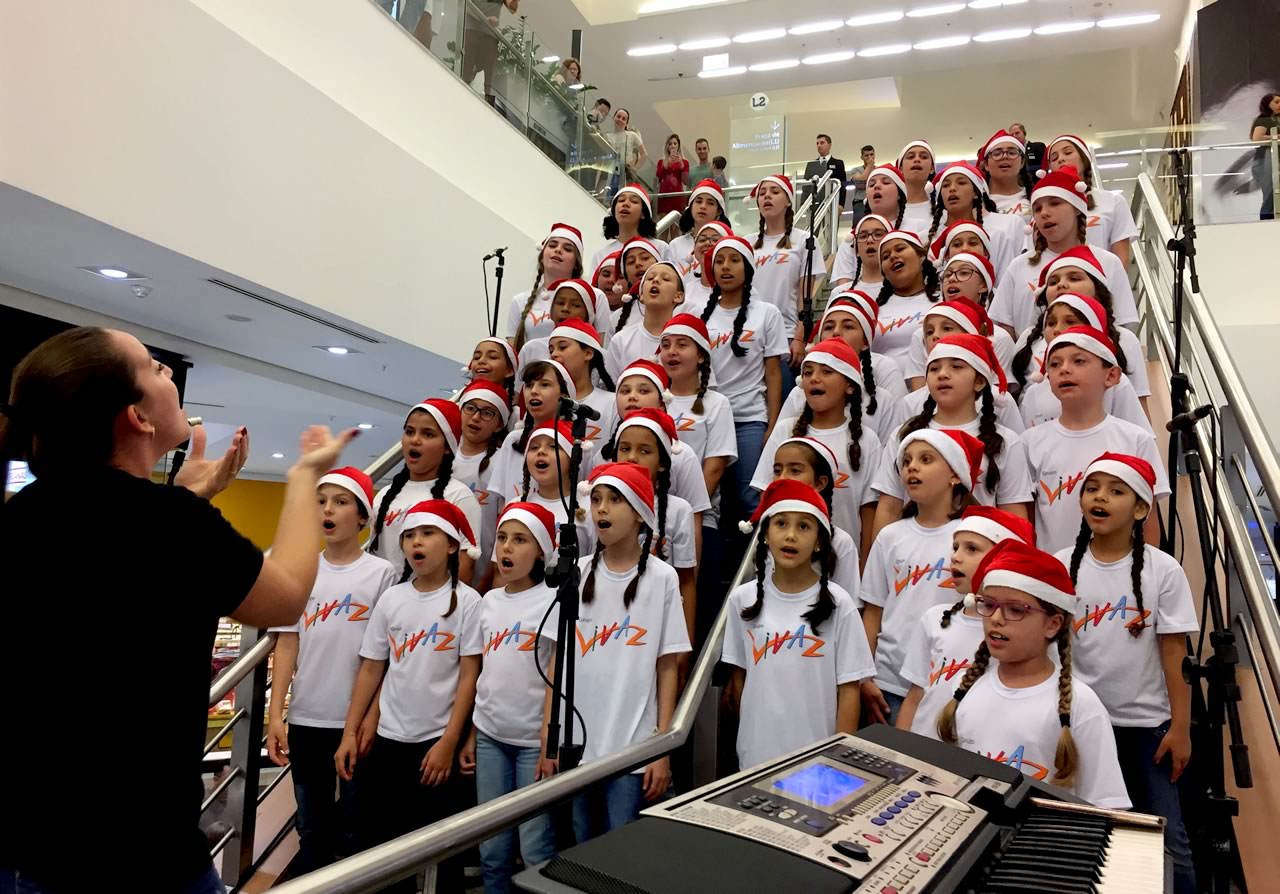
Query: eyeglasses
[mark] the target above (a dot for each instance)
(871, 236)
(1012, 611)
(958, 273)
(488, 414)
(997, 154)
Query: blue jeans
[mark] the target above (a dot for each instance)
(607, 806)
(500, 770)
(750, 437)
(1262, 177)
(326, 826)
(1151, 791)
(12, 882)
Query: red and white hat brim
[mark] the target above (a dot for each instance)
(642, 509)
(904, 235)
(1005, 140)
(741, 246)
(975, 262)
(489, 397)
(645, 373)
(563, 442)
(951, 452)
(983, 368)
(1032, 586)
(988, 528)
(431, 519)
(708, 191)
(536, 528)
(571, 390)
(1087, 342)
(828, 455)
(912, 145)
(512, 360)
(567, 234)
(1082, 308)
(690, 333)
(892, 175)
(954, 315)
(635, 191)
(857, 312)
(1071, 197)
(970, 227)
(775, 179)
(1080, 264)
(346, 482)
(1126, 473)
(848, 370)
(587, 295)
(875, 218)
(576, 334)
(438, 415)
(671, 446)
(979, 182)
(797, 506)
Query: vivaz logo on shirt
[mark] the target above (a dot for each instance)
(944, 670)
(1017, 759)
(1109, 612)
(1064, 487)
(524, 640)
(899, 322)
(685, 423)
(626, 634)
(800, 642)
(432, 639)
(354, 611)
(937, 573)
(725, 337)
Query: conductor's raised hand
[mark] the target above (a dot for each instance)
(319, 449)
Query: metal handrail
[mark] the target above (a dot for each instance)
(221, 734)
(373, 869)
(237, 670)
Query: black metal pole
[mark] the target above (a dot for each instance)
(806, 284)
(497, 297)
(1184, 249)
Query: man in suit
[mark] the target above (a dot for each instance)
(825, 161)
(1034, 151)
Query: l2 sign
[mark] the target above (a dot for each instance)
(759, 101)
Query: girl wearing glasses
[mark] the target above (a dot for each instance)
(962, 196)
(858, 260)
(1004, 162)
(1029, 713)
(485, 412)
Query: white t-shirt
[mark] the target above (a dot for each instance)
(742, 378)
(912, 405)
(1008, 236)
(710, 434)
(1014, 304)
(606, 404)
(852, 489)
(900, 318)
(1058, 458)
(1016, 204)
(846, 263)
(509, 693)
(538, 323)
(891, 388)
(413, 493)
(792, 670)
(616, 670)
(917, 218)
(908, 570)
(467, 470)
(687, 482)
(779, 272)
(1109, 221)
(330, 631)
(1039, 405)
(696, 294)
(1125, 670)
(917, 359)
(680, 547)
(408, 629)
(1135, 371)
(616, 245)
(1020, 728)
(936, 660)
(848, 573)
(631, 344)
(1015, 470)
(586, 530)
(680, 252)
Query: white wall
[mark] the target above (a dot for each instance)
(310, 147)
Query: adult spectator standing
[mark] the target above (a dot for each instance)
(1263, 130)
(718, 166)
(673, 176)
(628, 147)
(92, 413)
(568, 74)
(480, 43)
(600, 112)
(858, 180)
(1034, 152)
(702, 170)
(824, 162)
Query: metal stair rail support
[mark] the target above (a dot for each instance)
(1244, 445)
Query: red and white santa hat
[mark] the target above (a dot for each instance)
(939, 246)
(788, 496)
(585, 290)
(1024, 568)
(634, 189)
(1079, 143)
(638, 243)
(913, 144)
(996, 525)
(721, 228)
(489, 392)
(558, 429)
(656, 421)
(583, 333)
(609, 260)
(653, 372)
(976, 177)
(861, 306)
(873, 218)
(631, 481)
(658, 266)
(1095, 341)
(893, 173)
(352, 479)
(447, 415)
(1090, 310)
(781, 180)
(448, 518)
(692, 328)
(966, 313)
(733, 243)
(1082, 258)
(540, 522)
(564, 231)
(958, 449)
(835, 353)
(1065, 184)
(905, 236)
(708, 188)
(1132, 470)
(977, 351)
(512, 359)
(983, 265)
(823, 450)
(1000, 138)
(566, 380)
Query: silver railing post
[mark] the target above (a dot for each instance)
(246, 764)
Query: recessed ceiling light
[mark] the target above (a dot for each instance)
(875, 18)
(339, 350)
(1122, 21)
(239, 318)
(941, 43)
(1113, 164)
(578, 86)
(119, 274)
(1064, 27)
(922, 12)
(550, 59)
(992, 4)
(715, 61)
(775, 65)
(656, 6)
(892, 49)
(365, 425)
(656, 49)
(705, 43)
(1006, 34)
(824, 58)
(723, 72)
(757, 36)
(277, 456)
(816, 27)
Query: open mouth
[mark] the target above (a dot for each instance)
(534, 403)
(653, 291)
(957, 574)
(414, 455)
(953, 290)
(541, 465)
(329, 525)
(913, 481)
(817, 391)
(418, 557)
(506, 564)
(942, 387)
(1099, 513)
(789, 552)
(997, 639)
(604, 525)
(898, 266)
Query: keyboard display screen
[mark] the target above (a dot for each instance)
(819, 784)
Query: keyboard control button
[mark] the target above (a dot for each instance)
(852, 850)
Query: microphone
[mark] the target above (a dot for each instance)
(496, 253)
(1189, 419)
(571, 407)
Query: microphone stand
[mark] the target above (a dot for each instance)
(500, 254)
(565, 577)
(810, 243)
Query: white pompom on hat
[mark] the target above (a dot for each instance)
(784, 495)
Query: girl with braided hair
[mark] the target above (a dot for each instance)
(560, 257)
(857, 263)
(911, 286)
(608, 279)
(543, 384)
(661, 296)
(429, 444)
(793, 696)
(964, 386)
(706, 205)
(485, 412)
(944, 640)
(963, 277)
(831, 380)
(1003, 160)
(962, 196)
(579, 348)
(630, 635)
(697, 280)
(637, 256)
(1110, 224)
(1028, 712)
(747, 347)
(887, 195)
(917, 165)
(1129, 640)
